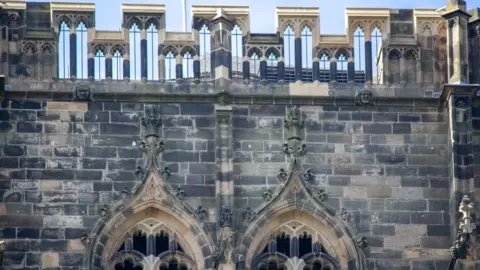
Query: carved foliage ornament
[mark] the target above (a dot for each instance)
(462, 244)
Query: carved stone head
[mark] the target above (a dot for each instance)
(365, 97)
(83, 92)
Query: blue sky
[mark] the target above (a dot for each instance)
(262, 12)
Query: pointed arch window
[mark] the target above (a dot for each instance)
(272, 60)
(376, 46)
(47, 60)
(324, 63)
(134, 33)
(205, 49)
(411, 62)
(283, 247)
(272, 64)
(99, 65)
(64, 51)
(170, 64)
(82, 54)
(31, 60)
(157, 244)
(187, 64)
(152, 55)
(237, 50)
(289, 47)
(359, 49)
(342, 74)
(394, 61)
(307, 47)
(117, 65)
(255, 65)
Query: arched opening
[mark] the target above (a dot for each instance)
(31, 61)
(64, 51)
(82, 48)
(272, 64)
(359, 49)
(289, 53)
(324, 63)
(313, 241)
(152, 55)
(394, 61)
(187, 65)
(426, 43)
(342, 66)
(205, 50)
(307, 47)
(441, 54)
(254, 65)
(411, 68)
(134, 34)
(376, 47)
(47, 60)
(170, 64)
(99, 65)
(117, 65)
(237, 51)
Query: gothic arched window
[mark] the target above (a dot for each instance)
(324, 68)
(117, 65)
(82, 55)
(411, 62)
(237, 50)
(31, 60)
(394, 59)
(170, 64)
(187, 64)
(294, 243)
(359, 49)
(134, 33)
(47, 60)
(289, 47)
(376, 46)
(99, 65)
(307, 47)
(152, 55)
(205, 49)
(64, 51)
(167, 252)
(255, 65)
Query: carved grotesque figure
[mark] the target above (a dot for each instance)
(83, 93)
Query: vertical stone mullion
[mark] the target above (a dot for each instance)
(161, 67)
(196, 68)
(281, 70)
(73, 51)
(143, 54)
(246, 69)
(263, 69)
(178, 68)
(126, 66)
(368, 62)
(91, 66)
(333, 70)
(351, 70)
(108, 66)
(298, 58)
(316, 70)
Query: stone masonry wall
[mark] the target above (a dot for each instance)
(388, 167)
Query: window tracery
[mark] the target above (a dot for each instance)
(151, 245)
(306, 38)
(64, 51)
(134, 53)
(289, 47)
(82, 55)
(294, 246)
(99, 64)
(359, 49)
(152, 55)
(117, 65)
(376, 47)
(237, 50)
(205, 49)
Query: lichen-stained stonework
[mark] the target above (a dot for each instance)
(239, 160)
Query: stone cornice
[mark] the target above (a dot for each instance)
(221, 98)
